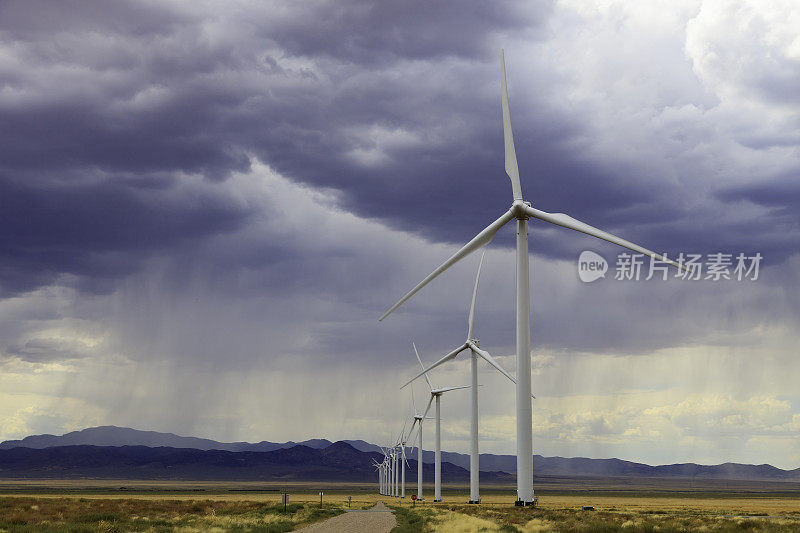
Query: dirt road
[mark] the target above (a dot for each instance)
(378, 519)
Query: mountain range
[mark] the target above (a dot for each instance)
(119, 436)
(116, 452)
(337, 462)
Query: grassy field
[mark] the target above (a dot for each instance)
(469, 518)
(34, 514)
(123, 505)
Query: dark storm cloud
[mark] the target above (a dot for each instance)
(367, 33)
(774, 231)
(40, 17)
(99, 229)
(144, 94)
(780, 194)
(393, 105)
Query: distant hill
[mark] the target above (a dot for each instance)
(336, 462)
(120, 436)
(112, 436)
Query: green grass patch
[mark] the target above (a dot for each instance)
(412, 519)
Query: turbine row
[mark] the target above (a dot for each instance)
(521, 211)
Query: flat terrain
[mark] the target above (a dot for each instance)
(125, 505)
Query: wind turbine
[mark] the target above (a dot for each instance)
(473, 345)
(403, 461)
(418, 418)
(388, 483)
(390, 465)
(437, 395)
(394, 470)
(522, 211)
(385, 467)
(379, 467)
(400, 468)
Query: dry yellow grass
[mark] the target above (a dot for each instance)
(33, 514)
(451, 522)
(722, 505)
(537, 525)
(627, 512)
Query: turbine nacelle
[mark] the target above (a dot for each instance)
(519, 209)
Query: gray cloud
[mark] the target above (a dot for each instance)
(203, 197)
(401, 119)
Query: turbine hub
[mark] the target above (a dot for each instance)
(518, 209)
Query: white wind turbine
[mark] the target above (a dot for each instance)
(436, 394)
(387, 485)
(391, 466)
(522, 211)
(394, 470)
(418, 418)
(379, 467)
(403, 464)
(400, 470)
(385, 468)
(391, 471)
(473, 345)
(403, 461)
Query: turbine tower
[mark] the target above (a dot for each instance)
(522, 211)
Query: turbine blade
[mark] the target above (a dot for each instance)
(471, 320)
(481, 239)
(413, 403)
(428, 379)
(567, 221)
(437, 363)
(508, 136)
(489, 359)
(411, 429)
(402, 432)
(448, 389)
(428, 408)
(415, 436)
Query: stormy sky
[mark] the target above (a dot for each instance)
(205, 207)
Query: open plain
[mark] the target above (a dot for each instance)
(619, 505)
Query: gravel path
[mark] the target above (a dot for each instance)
(378, 519)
